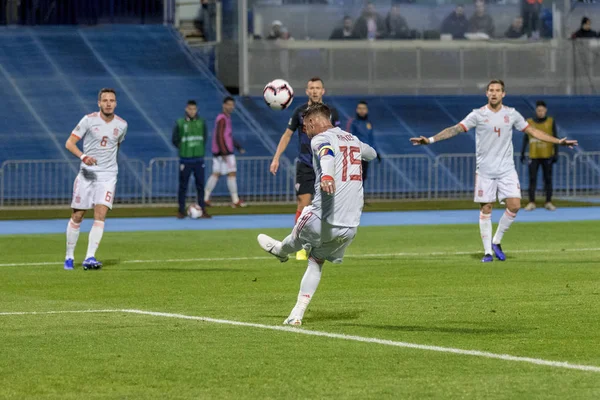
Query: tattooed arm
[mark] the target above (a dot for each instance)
(447, 133)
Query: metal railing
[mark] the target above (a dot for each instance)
(43, 183)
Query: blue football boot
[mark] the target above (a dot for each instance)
(91, 263)
(69, 264)
(498, 252)
(487, 258)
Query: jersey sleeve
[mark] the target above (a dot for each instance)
(294, 121)
(321, 146)
(367, 152)
(81, 128)
(122, 137)
(519, 122)
(469, 122)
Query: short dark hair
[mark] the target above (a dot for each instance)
(540, 103)
(494, 82)
(106, 90)
(363, 102)
(347, 17)
(584, 20)
(228, 98)
(192, 103)
(317, 109)
(316, 79)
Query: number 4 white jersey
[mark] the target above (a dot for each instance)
(345, 206)
(101, 140)
(493, 134)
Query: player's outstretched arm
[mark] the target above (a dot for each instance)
(367, 152)
(536, 133)
(71, 145)
(447, 133)
(283, 143)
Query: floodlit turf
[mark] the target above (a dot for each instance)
(540, 304)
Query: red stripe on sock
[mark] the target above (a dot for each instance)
(510, 214)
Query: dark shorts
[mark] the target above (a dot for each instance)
(305, 179)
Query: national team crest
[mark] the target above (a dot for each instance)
(369, 126)
(116, 132)
(506, 119)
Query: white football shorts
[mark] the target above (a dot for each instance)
(487, 190)
(324, 241)
(88, 193)
(224, 164)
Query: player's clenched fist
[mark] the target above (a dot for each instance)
(274, 166)
(417, 141)
(87, 160)
(328, 185)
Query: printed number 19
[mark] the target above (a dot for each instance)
(497, 130)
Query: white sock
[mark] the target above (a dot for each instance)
(72, 236)
(95, 238)
(505, 222)
(308, 286)
(485, 228)
(232, 186)
(210, 186)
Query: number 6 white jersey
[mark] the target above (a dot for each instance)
(493, 134)
(101, 140)
(345, 206)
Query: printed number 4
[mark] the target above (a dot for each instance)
(497, 130)
(353, 160)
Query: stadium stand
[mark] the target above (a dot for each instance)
(50, 77)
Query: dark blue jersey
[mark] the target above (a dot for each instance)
(296, 123)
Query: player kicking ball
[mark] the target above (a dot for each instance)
(94, 188)
(327, 227)
(496, 176)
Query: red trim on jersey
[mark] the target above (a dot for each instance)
(94, 114)
(119, 118)
(327, 178)
(77, 136)
(524, 129)
(463, 126)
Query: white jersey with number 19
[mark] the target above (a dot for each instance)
(493, 134)
(344, 208)
(101, 140)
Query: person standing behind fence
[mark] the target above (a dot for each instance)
(189, 136)
(224, 163)
(362, 128)
(540, 154)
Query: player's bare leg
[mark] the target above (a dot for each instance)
(209, 187)
(513, 205)
(233, 191)
(72, 236)
(95, 237)
(303, 201)
(308, 286)
(485, 228)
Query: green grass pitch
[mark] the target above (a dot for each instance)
(417, 284)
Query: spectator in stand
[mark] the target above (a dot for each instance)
(397, 27)
(343, 32)
(278, 31)
(456, 24)
(362, 128)
(530, 11)
(370, 25)
(515, 30)
(585, 31)
(481, 22)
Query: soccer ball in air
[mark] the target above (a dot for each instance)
(278, 94)
(194, 211)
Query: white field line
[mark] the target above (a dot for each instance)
(362, 339)
(374, 255)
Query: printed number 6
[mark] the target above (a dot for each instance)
(104, 141)
(108, 197)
